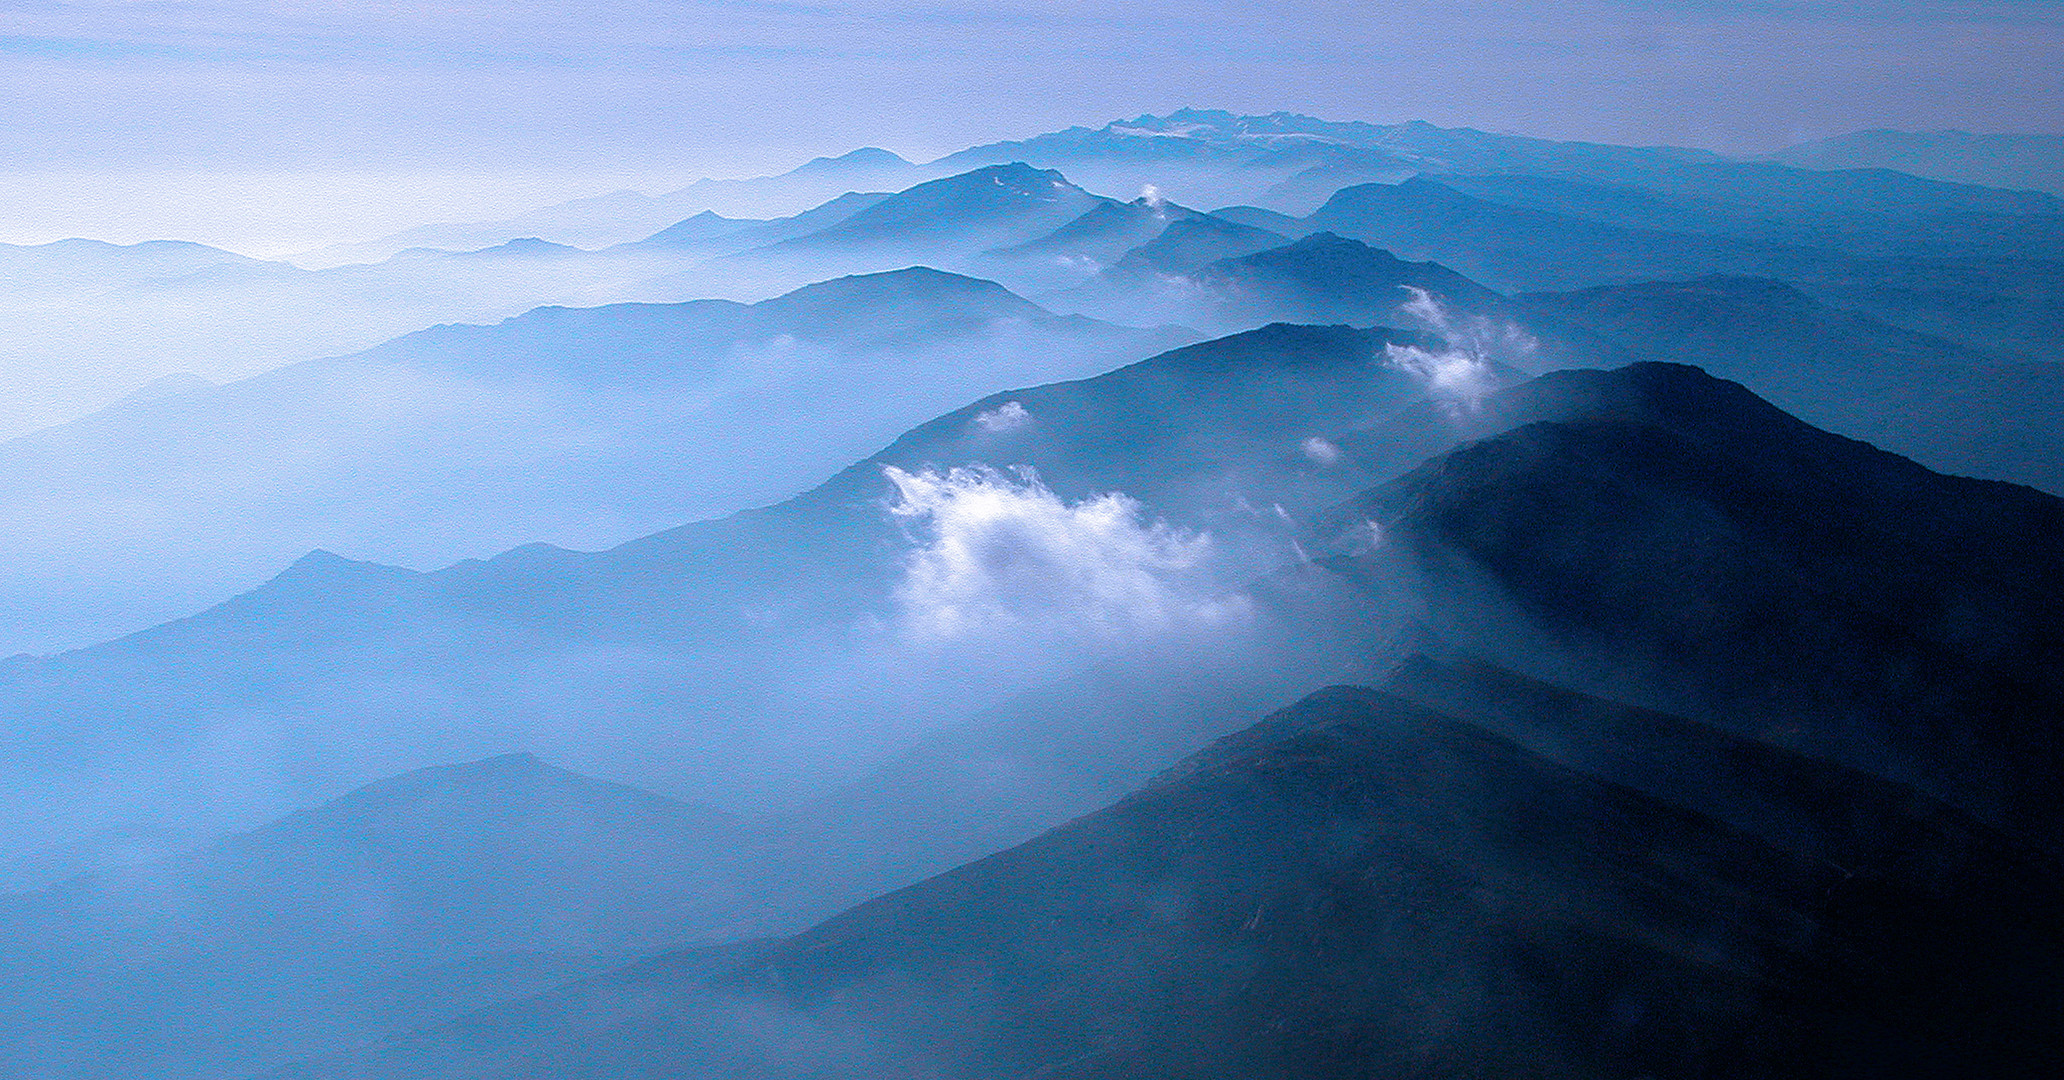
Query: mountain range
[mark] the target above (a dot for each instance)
(1466, 606)
(1469, 868)
(582, 426)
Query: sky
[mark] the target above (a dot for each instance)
(267, 126)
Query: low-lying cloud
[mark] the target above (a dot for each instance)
(1462, 371)
(1009, 416)
(996, 549)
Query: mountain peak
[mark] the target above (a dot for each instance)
(866, 157)
(1013, 202)
(321, 569)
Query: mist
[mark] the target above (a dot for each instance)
(1205, 594)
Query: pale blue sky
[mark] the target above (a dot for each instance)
(587, 91)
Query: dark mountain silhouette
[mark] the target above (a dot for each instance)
(1370, 882)
(1951, 407)
(1689, 546)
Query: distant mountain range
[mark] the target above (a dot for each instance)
(2001, 161)
(1430, 616)
(582, 426)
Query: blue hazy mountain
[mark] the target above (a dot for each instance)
(1647, 492)
(1518, 248)
(989, 207)
(623, 216)
(698, 230)
(1458, 870)
(71, 262)
(1997, 160)
(720, 615)
(585, 426)
(707, 233)
(1876, 213)
(1319, 279)
(2007, 300)
(1103, 234)
(393, 906)
(1192, 242)
(1209, 157)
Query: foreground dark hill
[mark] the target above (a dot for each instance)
(1688, 545)
(584, 426)
(1372, 883)
(396, 905)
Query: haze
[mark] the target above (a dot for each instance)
(270, 128)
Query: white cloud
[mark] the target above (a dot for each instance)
(1009, 416)
(998, 550)
(1461, 371)
(1320, 451)
(1450, 374)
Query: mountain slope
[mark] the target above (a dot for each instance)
(990, 207)
(719, 622)
(1319, 279)
(1943, 403)
(1366, 885)
(1812, 590)
(579, 426)
(2002, 161)
(393, 906)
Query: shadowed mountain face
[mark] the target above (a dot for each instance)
(1686, 544)
(1374, 884)
(1947, 405)
(397, 905)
